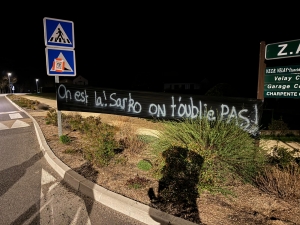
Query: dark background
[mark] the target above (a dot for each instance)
(122, 48)
(126, 46)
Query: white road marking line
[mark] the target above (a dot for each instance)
(19, 123)
(3, 127)
(9, 112)
(15, 116)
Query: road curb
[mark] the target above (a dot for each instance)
(127, 206)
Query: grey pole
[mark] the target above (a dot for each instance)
(9, 74)
(59, 124)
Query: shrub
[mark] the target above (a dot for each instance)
(282, 157)
(75, 122)
(51, 117)
(278, 125)
(100, 139)
(65, 139)
(283, 183)
(71, 121)
(132, 144)
(227, 150)
(128, 139)
(43, 106)
(282, 176)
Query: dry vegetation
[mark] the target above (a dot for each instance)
(134, 170)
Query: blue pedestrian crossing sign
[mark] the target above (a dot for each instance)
(60, 62)
(59, 33)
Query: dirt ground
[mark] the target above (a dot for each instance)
(250, 206)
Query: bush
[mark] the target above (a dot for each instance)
(128, 139)
(75, 122)
(51, 117)
(278, 125)
(282, 175)
(132, 143)
(65, 139)
(227, 151)
(284, 183)
(43, 106)
(72, 121)
(282, 157)
(100, 139)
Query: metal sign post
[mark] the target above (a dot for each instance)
(261, 71)
(60, 54)
(59, 124)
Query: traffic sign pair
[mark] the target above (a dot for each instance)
(60, 44)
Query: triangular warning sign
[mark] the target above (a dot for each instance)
(19, 123)
(59, 36)
(65, 68)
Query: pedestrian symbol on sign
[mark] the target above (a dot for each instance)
(60, 36)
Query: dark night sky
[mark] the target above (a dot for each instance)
(118, 46)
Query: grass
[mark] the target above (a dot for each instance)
(211, 150)
(144, 165)
(71, 151)
(137, 182)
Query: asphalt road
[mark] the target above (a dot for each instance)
(31, 192)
